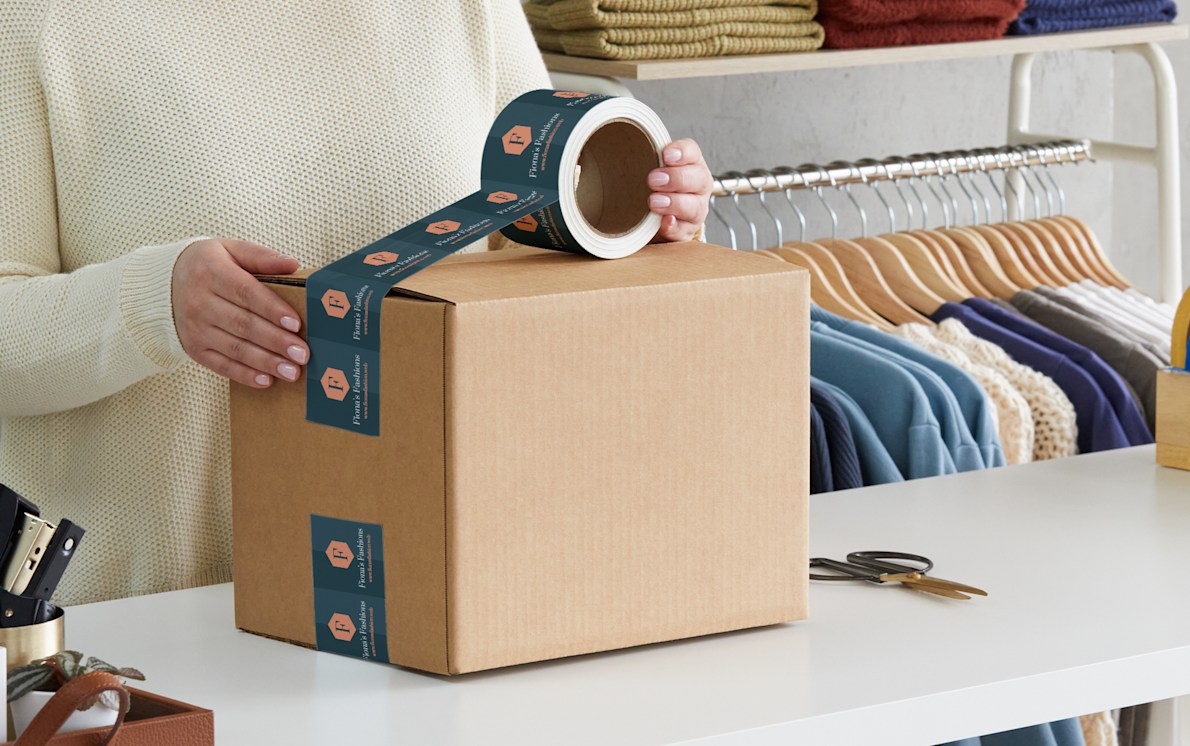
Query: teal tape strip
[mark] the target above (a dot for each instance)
(349, 611)
(522, 180)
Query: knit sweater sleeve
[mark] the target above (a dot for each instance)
(66, 339)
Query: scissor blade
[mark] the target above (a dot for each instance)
(917, 582)
(956, 586)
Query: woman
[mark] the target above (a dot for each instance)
(155, 154)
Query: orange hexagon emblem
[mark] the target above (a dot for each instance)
(501, 197)
(334, 384)
(442, 226)
(342, 627)
(380, 258)
(517, 139)
(336, 304)
(339, 554)
(570, 94)
(527, 223)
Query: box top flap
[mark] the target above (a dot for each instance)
(524, 273)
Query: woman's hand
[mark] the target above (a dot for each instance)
(231, 323)
(681, 191)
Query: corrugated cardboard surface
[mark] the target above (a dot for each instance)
(614, 453)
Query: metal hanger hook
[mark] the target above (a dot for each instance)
(853, 169)
(801, 216)
(764, 175)
(947, 202)
(818, 191)
(875, 187)
(715, 211)
(735, 200)
(912, 182)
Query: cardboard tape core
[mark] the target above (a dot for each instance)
(613, 192)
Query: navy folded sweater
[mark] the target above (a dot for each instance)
(1053, 16)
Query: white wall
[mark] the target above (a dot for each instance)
(769, 120)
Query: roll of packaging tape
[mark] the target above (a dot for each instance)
(561, 170)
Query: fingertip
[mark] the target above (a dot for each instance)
(291, 323)
(263, 381)
(672, 155)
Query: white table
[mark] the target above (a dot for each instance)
(1087, 561)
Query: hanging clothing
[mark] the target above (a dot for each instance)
(1098, 427)
(974, 409)
(820, 458)
(1128, 358)
(1011, 416)
(1109, 305)
(1099, 729)
(1059, 733)
(898, 409)
(1124, 402)
(840, 442)
(1150, 342)
(1054, 419)
(961, 449)
(876, 464)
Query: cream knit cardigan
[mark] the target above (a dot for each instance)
(129, 127)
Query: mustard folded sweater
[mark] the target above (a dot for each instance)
(129, 127)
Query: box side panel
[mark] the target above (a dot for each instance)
(1173, 419)
(284, 469)
(629, 466)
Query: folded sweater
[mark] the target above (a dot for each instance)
(1054, 16)
(567, 15)
(860, 24)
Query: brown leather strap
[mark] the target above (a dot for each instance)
(66, 700)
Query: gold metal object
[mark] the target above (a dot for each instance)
(32, 641)
(27, 552)
(938, 586)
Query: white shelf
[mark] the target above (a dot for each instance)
(1085, 560)
(832, 59)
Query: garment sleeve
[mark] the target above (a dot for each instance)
(66, 339)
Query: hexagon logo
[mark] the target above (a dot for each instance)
(501, 197)
(336, 304)
(334, 384)
(342, 627)
(380, 258)
(570, 94)
(339, 554)
(442, 226)
(517, 139)
(527, 224)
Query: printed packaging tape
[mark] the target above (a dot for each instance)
(561, 170)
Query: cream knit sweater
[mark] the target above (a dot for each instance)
(129, 127)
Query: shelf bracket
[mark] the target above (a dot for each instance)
(1165, 156)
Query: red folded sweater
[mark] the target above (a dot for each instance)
(860, 24)
(880, 12)
(844, 36)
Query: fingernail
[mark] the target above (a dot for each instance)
(672, 155)
(287, 371)
(658, 200)
(263, 380)
(297, 354)
(658, 179)
(290, 323)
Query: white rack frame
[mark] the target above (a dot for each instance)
(592, 74)
(1165, 156)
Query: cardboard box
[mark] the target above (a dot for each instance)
(576, 455)
(1173, 418)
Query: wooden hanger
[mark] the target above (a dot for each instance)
(1002, 280)
(1057, 242)
(1097, 256)
(923, 264)
(872, 287)
(822, 291)
(899, 275)
(960, 275)
(1016, 263)
(834, 272)
(1075, 249)
(1025, 247)
(1081, 255)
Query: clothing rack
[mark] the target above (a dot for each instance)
(843, 173)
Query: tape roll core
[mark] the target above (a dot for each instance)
(612, 190)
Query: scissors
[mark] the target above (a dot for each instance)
(874, 567)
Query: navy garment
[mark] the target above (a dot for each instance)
(1119, 394)
(820, 457)
(1058, 733)
(974, 409)
(1056, 16)
(1098, 427)
(845, 469)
